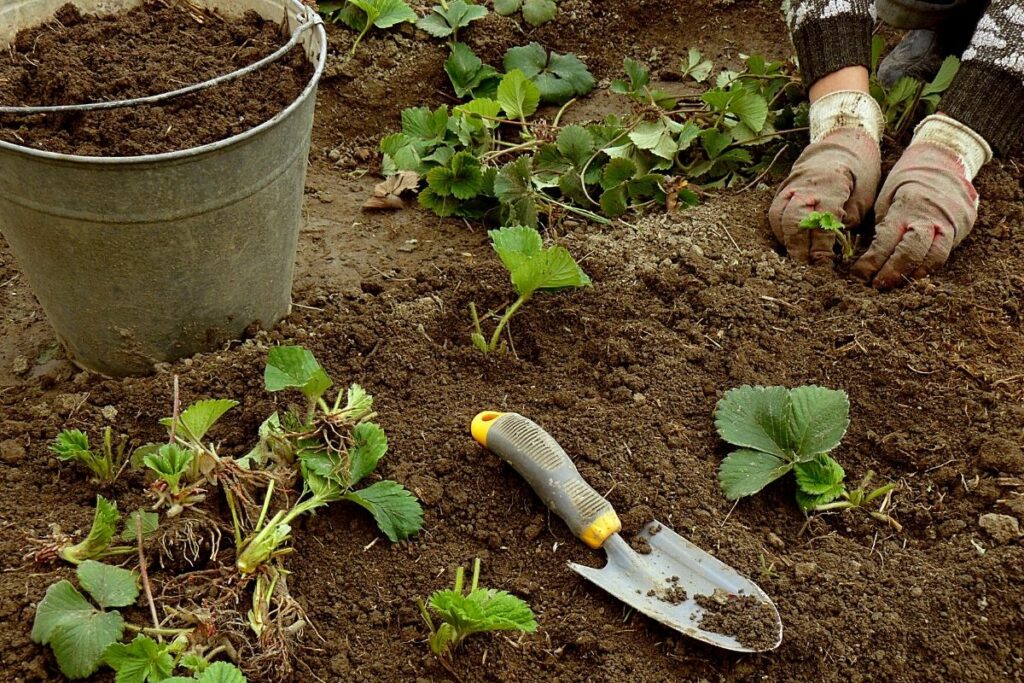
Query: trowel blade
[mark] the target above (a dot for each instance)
(644, 581)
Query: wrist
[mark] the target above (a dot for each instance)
(846, 109)
(972, 150)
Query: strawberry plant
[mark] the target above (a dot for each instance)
(861, 496)
(826, 220)
(72, 445)
(908, 98)
(558, 77)
(533, 268)
(445, 20)
(481, 610)
(97, 544)
(362, 15)
(535, 12)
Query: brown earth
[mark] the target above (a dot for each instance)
(625, 375)
(155, 48)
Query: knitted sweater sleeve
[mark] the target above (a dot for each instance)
(830, 34)
(988, 92)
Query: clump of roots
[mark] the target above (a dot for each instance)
(188, 541)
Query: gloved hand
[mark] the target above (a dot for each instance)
(927, 205)
(838, 172)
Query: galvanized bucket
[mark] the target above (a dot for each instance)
(140, 260)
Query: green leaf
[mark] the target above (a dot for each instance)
(440, 205)
(745, 472)
(516, 245)
(77, 632)
(467, 72)
(385, 13)
(444, 21)
(808, 502)
(141, 661)
(576, 144)
(195, 663)
(70, 444)
(821, 220)
(614, 202)
(616, 172)
(462, 177)
(696, 67)
(109, 586)
(397, 512)
(757, 418)
(435, 24)
(944, 78)
(483, 610)
(819, 419)
(222, 672)
(517, 95)
(513, 186)
(104, 526)
(559, 77)
(537, 12)
(656, 137)
(170, 463)
(507, 7)
(369, 444)
(819, 476)
(714, 142)
(424, 124)
(293, 367)
(639, 75)
(150, 523)
(480, 107)
(196, 420)
(551, 270)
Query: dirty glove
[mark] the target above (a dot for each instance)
(927, 205)
(838, 172)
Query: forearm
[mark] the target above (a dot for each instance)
(830, 35)
(988, 92)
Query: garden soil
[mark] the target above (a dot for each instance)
(625, 375)
(156, 48)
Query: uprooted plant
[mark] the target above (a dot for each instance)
(481, 610)
(72, 445)
(533, 268)
(85, 635)
(779, 430)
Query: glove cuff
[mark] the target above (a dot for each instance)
(948, 133)
(846, 109)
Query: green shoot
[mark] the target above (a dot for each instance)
(862, 496)
(362, 15)
(533, 268)
(479, 611)
(188, 431)
(96, 544)
(779, 430)
(335, 446)
(826, 220)
(535, 12)
(445, 20)
(73, 445)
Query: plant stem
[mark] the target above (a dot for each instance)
(359, 38)
(157, 631)
(509, 312)
(266, 506)
(236, 523)
(589, 215)
(558, 116)
(476, 574)
(460, 574)
(175, 410)
(144, 573)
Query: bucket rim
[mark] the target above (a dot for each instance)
(180, 154)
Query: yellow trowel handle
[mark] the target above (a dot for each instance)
(538, 458)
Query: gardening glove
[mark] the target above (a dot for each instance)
(838, 172)
(928, 205)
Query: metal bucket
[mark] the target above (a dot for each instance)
(140, 260)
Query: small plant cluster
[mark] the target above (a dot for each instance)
(908, 98)
(827, 221)
(532, 268)
(535, 12)
(492, 156)
(779, 430)
(362, 15)
(460, 614)
(332, 447)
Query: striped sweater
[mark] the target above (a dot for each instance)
(988, 92)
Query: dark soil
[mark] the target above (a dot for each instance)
(673, 593)
(744, 617)
(155, 48)
(625, 375)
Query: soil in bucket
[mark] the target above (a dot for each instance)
(156, 47)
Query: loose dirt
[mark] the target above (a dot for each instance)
(625, 375)
(155, 48)
(744, 617)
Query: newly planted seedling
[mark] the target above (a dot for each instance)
(779, 430)
(445, 20)
(97, 544)
(362, 15)
(335, 446)
(826, 220)
(535, 12)
(73, 445)
(533, 268)
(480, 610)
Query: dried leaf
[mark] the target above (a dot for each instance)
(388, 194)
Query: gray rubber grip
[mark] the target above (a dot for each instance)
(538, 458)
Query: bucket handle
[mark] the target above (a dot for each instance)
(310, 19)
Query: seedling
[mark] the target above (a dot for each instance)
(335, 447)
(105, 464)
(533, 268)
(97, 544)
(862, 496)
(171, 463)
(362, 15)
(445, 20)
(479, 611)
(780, 430)
(535, 12)
(826, 220)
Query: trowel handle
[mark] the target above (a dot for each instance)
(538, 458)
